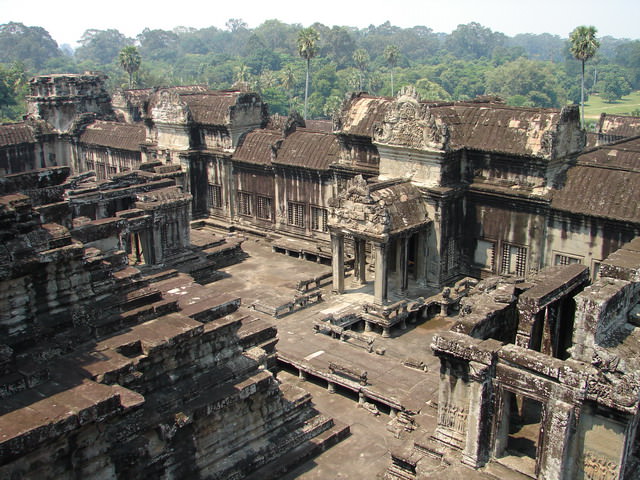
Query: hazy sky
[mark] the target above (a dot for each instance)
(66, 20)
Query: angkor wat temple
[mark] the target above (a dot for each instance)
(131, 344)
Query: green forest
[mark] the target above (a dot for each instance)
(525, 70)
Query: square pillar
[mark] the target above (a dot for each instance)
(403, 260)
(337, 262)
(476, 447)
(555, 461)
(360, 262)
(421, 259)
(380, 285)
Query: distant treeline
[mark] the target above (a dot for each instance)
(527, 69)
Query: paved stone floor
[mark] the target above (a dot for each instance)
(362, 455)
(270, 278)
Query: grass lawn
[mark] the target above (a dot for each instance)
(595, 106)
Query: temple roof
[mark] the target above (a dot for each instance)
(484, 124)
(619, 125)
(210, 108)
(257, 147)
(140, 96)
(308, 149)
(123, 136)
(15, 134)
(605, 182)
(498, 128)
(478, 125)
(361, 113)
(301, 148)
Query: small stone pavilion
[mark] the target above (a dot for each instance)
(390, 215)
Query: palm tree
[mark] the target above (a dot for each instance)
(361, 59)
(583, 47)
(307, 48)
(241, 78)
(130, 60)
(391, 55)
(288, 78)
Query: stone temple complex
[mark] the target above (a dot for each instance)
(179, 269)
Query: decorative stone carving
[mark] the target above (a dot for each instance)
(410, 123)
(452, 417)
(168, 108)
(355, 209)
(598, 468)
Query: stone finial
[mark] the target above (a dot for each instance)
(408, 93)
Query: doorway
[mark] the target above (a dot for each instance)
(519, 435)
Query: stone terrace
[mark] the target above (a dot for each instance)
(402, 377)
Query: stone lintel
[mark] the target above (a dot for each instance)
(551, 284)
(464, 347)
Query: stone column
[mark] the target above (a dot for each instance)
(558, 432)
(476, 447)
(421, 259)
(185, 226)
(138, 251)
(359, 271)
(403, 267)
(380, 286)
(101, 210)
(337, 262)
(147, 242)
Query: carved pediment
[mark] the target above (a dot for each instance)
(356, 210)
(167, 107)
(410, 123)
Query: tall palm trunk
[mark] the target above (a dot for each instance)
(582, 95)
(392, 82)
(306, 88)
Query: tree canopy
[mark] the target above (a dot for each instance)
(30, 45)
(526, 69)
(130, 60)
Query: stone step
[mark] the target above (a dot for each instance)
(211, 307)
(204, 238)
(149, 312)
(139, 297)
(115, 322)
(255, 332)
(499, 471)
(162, 275)
(300, 454)
(430, 447)
(59, 409)
(395, 472)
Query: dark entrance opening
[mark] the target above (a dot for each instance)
(519, 438)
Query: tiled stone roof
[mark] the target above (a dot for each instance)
(622, 126)
(123, 136)
(15, 134)
(605, 182)
(361, 115)
(257, 147)
(308, 149)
